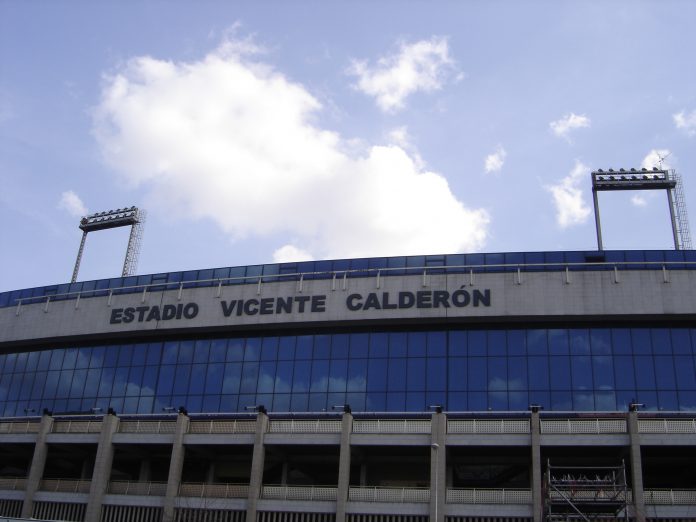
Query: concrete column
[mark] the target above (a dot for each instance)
(102, 467)
(537, 492)
(636, 468)
(438, 466)
(257, 465)
(344, 467)
(38, 462)
(176, 464)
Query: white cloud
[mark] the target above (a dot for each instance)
(72, 203)
(420, 66)
(232, 140)
(656, 158)
(562, 127)
(687, 122)
(568, 198)
(494, 162)
(638, 200)
(290, 253)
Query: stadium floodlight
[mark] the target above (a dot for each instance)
(120, 217)
(654, 179)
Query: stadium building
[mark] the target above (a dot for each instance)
(459, 388)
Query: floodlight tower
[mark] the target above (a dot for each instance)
(644, 179)
(121, 217)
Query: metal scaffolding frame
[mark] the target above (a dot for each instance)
(585, 493)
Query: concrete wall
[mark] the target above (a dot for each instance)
(542, 296)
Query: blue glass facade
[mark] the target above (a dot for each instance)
(463, 369)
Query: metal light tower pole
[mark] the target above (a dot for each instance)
(121, 217)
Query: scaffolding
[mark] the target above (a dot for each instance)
(584, 493)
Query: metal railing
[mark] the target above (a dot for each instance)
(13, 483)
(667, 425)
(670, 496)
(223, 426)
(193, 489)
(583, 426)
(71, 426)
(127, 487)
(489, 426)
(339, 277)
(489, 496)
(19, 427)
(305, 426)
(65, 485)
(387, 494)
(392, 426)
(299, 492)
(138, 426)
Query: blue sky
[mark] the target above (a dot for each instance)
(262, 131)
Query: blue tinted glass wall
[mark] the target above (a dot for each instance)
(580, 369)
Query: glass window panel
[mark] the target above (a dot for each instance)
(63, 383)
(518, 400)
(359, 346)
(640, 338)
(517, 374)
(558, 342)
(497, 374)
(338, 375)
(376, 402)
(561, 401)
(603, 372)
(181, 379)
(478, 376)
(379, 345)
(269, 349)
(185, 352)
(600, 339)
(543, 398)
(560, 374)
(213, 379)
(625, 376)
(357, 375)
(415, 373)
(456, 401)
(320, 376)
(664, 372)
(135, 380)
(396, 401)
(303, 348)
(154, 353)
(681, 341)
(317, 402)
(232, 378)
(139, 354)
(78, 383)
(252, 349)
(124, 356)
(398, 344)
(298, 401)
(581, 369)
(250, 377)
(283, 381)
(27, 385)
(68, 362)
(145, 405)
(235, 350)
(645, 372)
(21, 363)
(686, 380)
(149, 380)
(621, 341)
(397, 374)
(583, 401)
(16, 386)
(38, 386)
(579, 342)
(436, 377)
(417, 344)
(198, 376)
(478, 401)
(687, 400)
(476, 342)
(170, 353)
(11, 359)
(281, 402)
(300, 377)
(605, 401)
(45, 359)
(33, 360)
(201, 352)
(111, 356)
(218, 350)
(457, 343)
(286, 348)
(267, 372)
(120, 382)
(415, 401)
(377, 374)
(339, 346)
(661, 341)
(322, 346)
(538, 369)
(165, 383)
(105, 383)
(437, 344)
(667, 400)
(536, 342)
(457, 370)
(496, 343)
